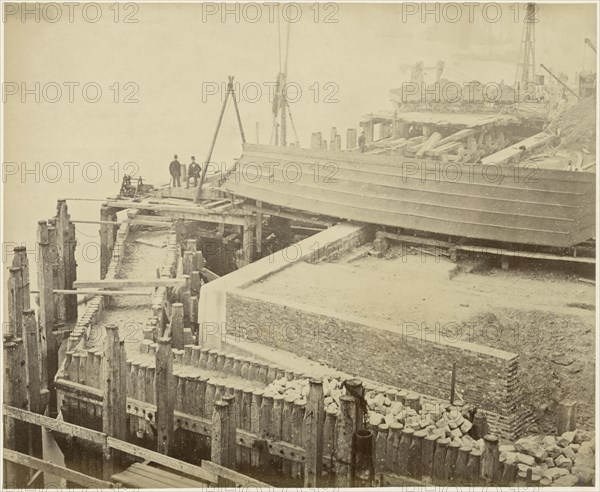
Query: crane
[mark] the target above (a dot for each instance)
(559, 81)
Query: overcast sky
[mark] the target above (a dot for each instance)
(173, 49)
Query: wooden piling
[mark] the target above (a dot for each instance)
(315, 420)
(344, 475)
(177, 325)
(474, 467)
(355, 387)
(255, 424)
(351, 138)
(427, 454)
(15, 303)
(462, 460)
(403, 456)
(33, 380)
(107, 238)
(264, 431)
(219, 446)
(393, 449)
(439, 460)
(15, 431)
(246, 414)
(566, 417)
(450, 462)
(490, 461)
(114, 403)
(381, 453)
(231, 431)
(480, 426)
(286, 431)
(165, 396)
(298, 434)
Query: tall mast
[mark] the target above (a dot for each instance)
(526, 66)
(283, 82)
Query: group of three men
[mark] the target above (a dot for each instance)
(175, 171)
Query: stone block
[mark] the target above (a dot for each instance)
(526, 459)
(566, 481)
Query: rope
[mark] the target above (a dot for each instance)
(292, 122)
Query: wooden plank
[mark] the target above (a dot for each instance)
(165, 394)
(314, 419)
(103, 292)
(202, 473)
(232, 475)
(182, 211)
(56, 470)
(208, 275)
(526, 254)
(413, 240)
(299, 216)
(164, 475)
(519, 150)
(121, 282)
(134, 481)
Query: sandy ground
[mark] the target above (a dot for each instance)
(548, 318)
(132, 312)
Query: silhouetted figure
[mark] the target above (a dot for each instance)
(193, 172)
(175, 170)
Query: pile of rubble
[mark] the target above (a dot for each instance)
(560, 461)
(576, 126)
(435, 419)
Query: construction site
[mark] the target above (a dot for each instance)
(408, 302)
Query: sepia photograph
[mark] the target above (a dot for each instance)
(299, 245)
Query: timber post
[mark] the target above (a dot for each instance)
(351, 138)
(114, 402)
(20, 260)
(219, 444)
(177, 325)
(34, 396)
(231, 430)
(107, 237)
(344, 474)
(15, 432)
(165, 397)
(15, 302)
(314, 417)
(47, 312)
(567, 416)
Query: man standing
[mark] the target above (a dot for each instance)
(362, 142)
(193, 172)
(175, 170)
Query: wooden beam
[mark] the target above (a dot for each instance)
(203, 473)
(151, 223)
(412, 239)
(232, 475)
(192, 423)
(165, 396)
(56, 470)
(100, 222)
(525, 254)
(314, 420)
(117, 283)
(289, 215)
(55, 425)
(103, 292)
(208, 275)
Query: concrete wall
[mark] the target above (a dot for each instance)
(487, 377)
